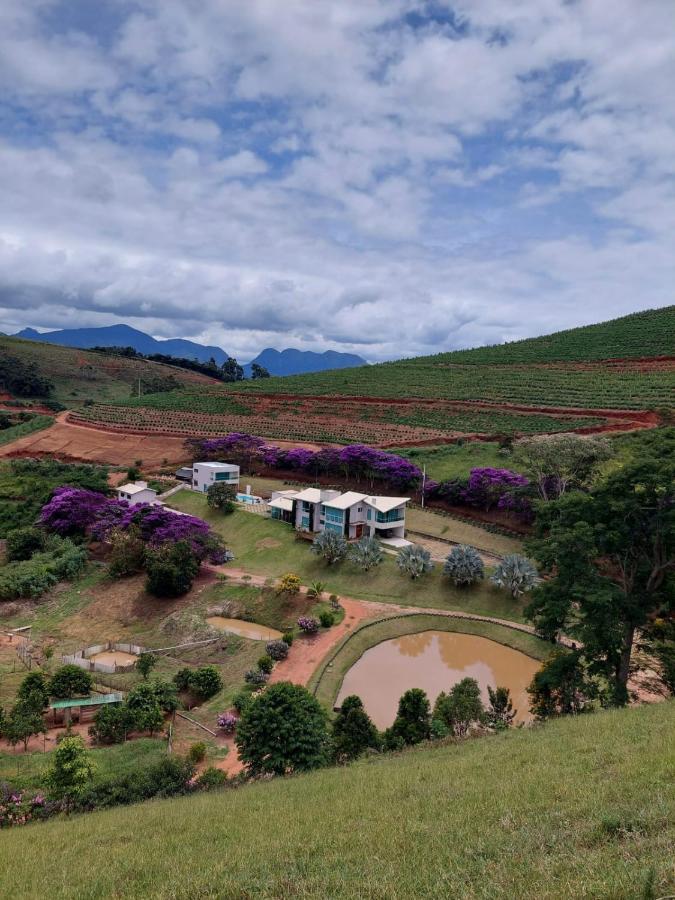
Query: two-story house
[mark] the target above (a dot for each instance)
(351, 514)
(204, 474)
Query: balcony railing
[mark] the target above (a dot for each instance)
(396, 515)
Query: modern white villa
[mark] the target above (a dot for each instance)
(204, 474)
(136, 492)
(352, 514)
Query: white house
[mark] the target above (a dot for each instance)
(204, 474)
(136, 492)
(352, 514)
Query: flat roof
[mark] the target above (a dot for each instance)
(217, 465)
(100, 699)
(134, 488)
(284, 503)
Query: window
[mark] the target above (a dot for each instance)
(369, 515)
(333, 515)
(306, 506)
(330, 526)
(305, 521)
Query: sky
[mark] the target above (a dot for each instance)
(385, 177)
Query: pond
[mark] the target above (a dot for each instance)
(435, 661)
(244, 629)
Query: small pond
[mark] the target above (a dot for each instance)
(435, 661)
(244, 629)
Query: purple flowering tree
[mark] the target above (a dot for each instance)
(487, 486)
(72, 510)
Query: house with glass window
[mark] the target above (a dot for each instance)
(351, 514)
(204, 474)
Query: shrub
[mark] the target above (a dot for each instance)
(500, 714)
(71, 769)
(166, 694)
(461, 708)
(256, 677)
(288, 637)
(182, 678)
(315, 590)
(366, 553)
(414, 560)
(326, 619)
(330, 545)
(144, 708)
(211, 779)
(171, 776)
(464, 566)
(308, 624)
(516, 574)
(413, 720)
(289, 584)
(171, 569)
(111, 724)
(69, 681)
(277, 649)
(145, 663)
(127, 552)
(227, 722)
(283, 730)
(22, 543)
(220, 496)
(197, 752)
(205, 682)
(266, 664)
(241, 701)
(353, 730)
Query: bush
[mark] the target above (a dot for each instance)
(461, 708)
(211, 779)
(315, 590)
(69, 681)
(330, 545)
(277, 650)
(283, 730)
(414, 560)
(308, 624)
(111, 724)
(197, 752)
(145, 663)
(71, 769)
(266, 663)
(241, 701)
(288, 637)
(182, 678)
(170, 777)
(464, 566)
(413, 720)
(127, 552)
(34, 689)
(289, 584)
(144, 709)
(353, 730)
(227, 722)
(220, 496)
(256, 677)
(171, 569)
(516, 574)
(326, 619)
(22, 543)
(205, 682)
(366, 553)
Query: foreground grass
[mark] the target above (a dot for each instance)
(326, 681)
(265, 547)
(581, 808)
(425, 521)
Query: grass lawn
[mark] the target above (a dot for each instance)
(427, 522)
(265, 547)
(26, 770)
(456, 461)
(327, 679)
(583, 807)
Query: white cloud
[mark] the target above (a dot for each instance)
(336, 175)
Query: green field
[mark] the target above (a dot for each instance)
(265, 547)
(37, 423)
(582, 807)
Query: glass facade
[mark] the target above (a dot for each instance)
(332, 515)
(394, 515)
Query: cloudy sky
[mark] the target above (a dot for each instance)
(389, 177)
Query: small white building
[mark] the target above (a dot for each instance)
(136, 492)
(204, 474)
(352, 514)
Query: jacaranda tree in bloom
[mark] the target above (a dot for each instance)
(72, 510)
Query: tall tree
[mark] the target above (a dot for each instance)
(231, 370)
(612, 557)
(258, 371)
(558, 462)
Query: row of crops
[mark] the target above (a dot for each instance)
(598, 387)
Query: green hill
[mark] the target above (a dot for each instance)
(580, 808)
(539, 371)
(80, 375)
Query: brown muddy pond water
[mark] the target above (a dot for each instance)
(435, 661)
(114, 658)
(244, 629)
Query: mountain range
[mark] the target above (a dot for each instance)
(277, 362)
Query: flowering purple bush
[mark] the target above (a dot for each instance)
(308, 624)
(354, 461)
(19, 808)
(227, 722)
(487, 486)
(71, 510)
